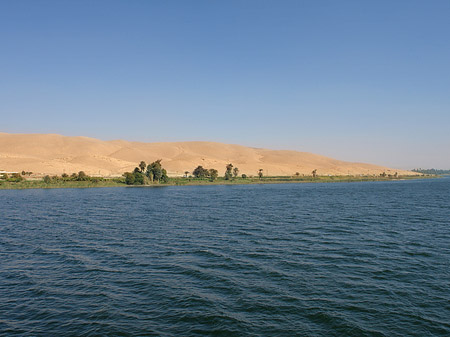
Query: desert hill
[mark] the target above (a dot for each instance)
(56, 154)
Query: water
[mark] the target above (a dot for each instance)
(347, 259)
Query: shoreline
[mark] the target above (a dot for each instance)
(39, 184)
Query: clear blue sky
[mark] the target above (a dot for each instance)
(355, 80)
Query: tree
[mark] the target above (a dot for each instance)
(155, 171)
(164, 176)
(228, 173)
(142, 166)
(260, 173)
(314, 173)
(82, 176)
(157, 174)
(186, 174)
(235, 172)
(213, 174)
(138, 178)
(297, 174)
(129, 178)
(200, 172)
(65, 175)
(47, 179)
(16, 177)
(244, 176)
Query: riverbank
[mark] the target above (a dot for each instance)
(34, 184)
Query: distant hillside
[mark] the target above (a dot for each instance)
(56, 154)
(431, 171)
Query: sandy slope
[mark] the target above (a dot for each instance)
(56, 154)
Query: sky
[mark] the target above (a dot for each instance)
(365, 81)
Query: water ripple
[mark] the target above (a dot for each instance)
(360, 259)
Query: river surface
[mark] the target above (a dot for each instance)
(333, 259)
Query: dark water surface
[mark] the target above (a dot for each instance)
(347, 259)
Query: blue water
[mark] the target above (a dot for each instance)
(343, 259)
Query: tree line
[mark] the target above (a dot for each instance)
(144, 174)
(13, 177)
(212, 174)
(431, 171)
(80, 176)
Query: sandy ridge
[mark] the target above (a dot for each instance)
(56, 154)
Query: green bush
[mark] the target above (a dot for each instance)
(200, 172)
(82, 176)
(155, 172)
(15, 178)
(129, 178)
(138, 178)
(228, 174)
(213, 174)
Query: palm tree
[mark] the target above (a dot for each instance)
(142, 166)
(260, 173)
(228, 173)
(314, 173)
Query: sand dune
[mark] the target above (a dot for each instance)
(56, 154)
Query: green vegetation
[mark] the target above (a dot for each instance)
(13, 178)
(60, 183)
(142, 166)
(431, 171)
(213, 174)
(80, 176)
(228, 174)
(235, 172)
(155, 174)
(244, 179)
(201, 173)
(75, 180)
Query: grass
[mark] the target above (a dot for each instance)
(285, 179)
(27, 184)
(179, 181)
